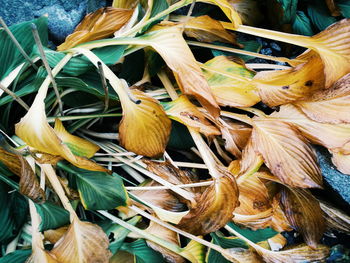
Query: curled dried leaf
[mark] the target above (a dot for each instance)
(290, 158)
(53, 235)
(182, 110)
(241, 255)
(83, 242)
(304, 214)
(278, 87)
(145, 128)
(214, 207)
(342, 162)
(97, 25)
(335, 218)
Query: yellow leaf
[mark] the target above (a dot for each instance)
(182, 110)
(77, 145)
(214, 207)
(194, 251)
(286, 153)
(230, 82)
(145, 128)
(206, 29)
(53, 235)
(83, 242)
(329, 105)
(100, 24)
(304, 214)
(278, 87)
(127, 4)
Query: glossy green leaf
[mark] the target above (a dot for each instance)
(344, 7)
(289, 8)
(319, 15)
(302, 25)
(18, 256)
(52, 216)
(10, 57)
(254, 235)
(143, 253)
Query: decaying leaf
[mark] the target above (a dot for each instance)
(278, 87)
(97, 25)
(242, 255)
(342, 162)
(335, 218)
(248, 10)
(230, 82)
(145, 128)
(28, 184)
(182, 110)
(304, 214)
(251, 160)
(330, 105)
(286, 153)
(53, 235)
(279, 221)
(214, 207)
(83, 242)
(206, 29)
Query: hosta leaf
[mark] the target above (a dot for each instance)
(302, 24)
(145, 128)
(52, 216)
(330, 105)
(248, 10)
(320, 15)
(182, 110)
(304, 214)
(278, 87)
(325, 134)
(142, 252)
(206, 29)
(230, 82)
(18, 256)
(53, 235)
(100, 24)
(243, 255)
(219, 199)
(255, 236)
(77, 145)
(342, 162)
(290, 158)
(335, 218)
(83, 242)
(28, 184)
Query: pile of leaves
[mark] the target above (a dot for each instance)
(146, 137)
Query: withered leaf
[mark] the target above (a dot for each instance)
(304, 214)
(335, 218)
(342, 162)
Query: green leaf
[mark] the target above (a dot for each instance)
(18, 256)
(302, 25)
(117, 233)
(319, 15)
(143, 253)
(133, 67)
(289, 8)
(344, 6)
(250, 45)
(158, 6)
(224, 242)
(98, 190)
(52, 216)
(10, 57)
(180, 137)
(255, 235)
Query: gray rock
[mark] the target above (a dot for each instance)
(63, 15)
(338, 181)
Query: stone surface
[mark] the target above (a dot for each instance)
(63, 15)
(336, 180)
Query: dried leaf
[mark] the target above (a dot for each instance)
(53, 235)
(251, 160)
(248, 10)
(279, 221)
(278, 87)
(304, 214)
(333, 8)
(145, 128)
(230, 82)
(286, 153)
(330, 105)
(241, 255)
(342, 162)
(182, 110)
(83, 242)
(28, 184)
(97, 25)
(206, 29)
(335, 218)
(214, 207)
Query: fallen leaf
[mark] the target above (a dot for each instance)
(53, 235)
(342, 162)
(335, 218)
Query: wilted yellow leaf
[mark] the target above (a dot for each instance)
(97, 25)
(145, 128)
(304, 214)
(84, 242)
(329, 105)
(182, 110)
(286, 153)
(214, 207)
(230, 82)
(278, 87)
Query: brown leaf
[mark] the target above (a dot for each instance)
(100, 24)
(241, 255)
(330, 105)
(28, 184)
(84, 242)
(342, 162)
(145, 128)
(333, 8)
(304, 214)
(214, 207)
(279, 221)
(278, 87)
(206, 29)
(335, 218)
(286, 153)
(53, 235)
(251, 160)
